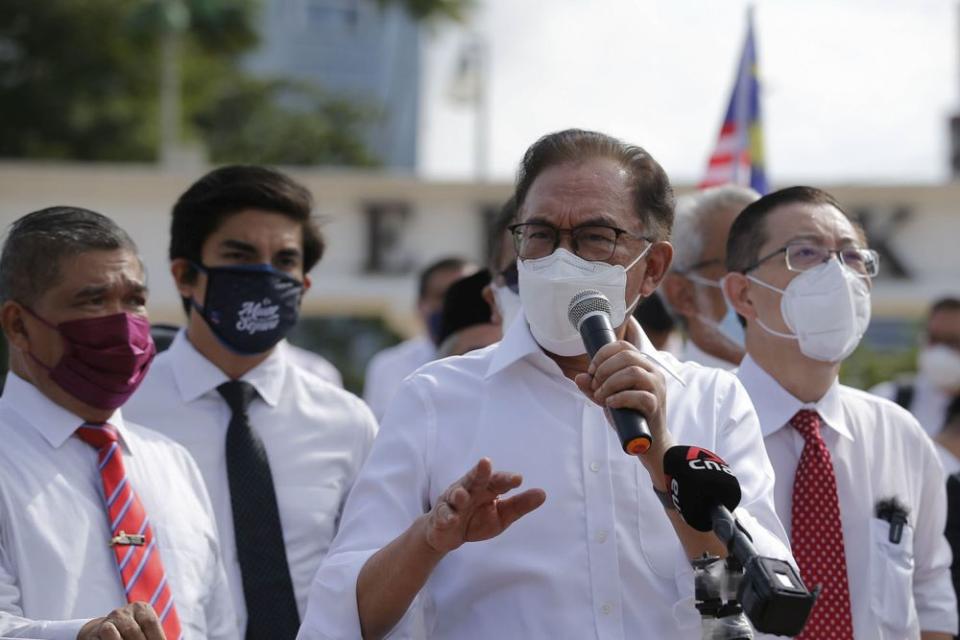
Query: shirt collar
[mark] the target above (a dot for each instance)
(196, 376)
(519, 344)
(52, 421)
(775, 405)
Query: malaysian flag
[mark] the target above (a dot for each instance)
(738, 156)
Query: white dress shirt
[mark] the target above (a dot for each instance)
(600, 559)
(879, 452)
(312, 362)
(57, 569)
(316, 437)
(693, 353)
(928, 405)
(388, 368)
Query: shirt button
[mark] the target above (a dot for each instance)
(602, 536)
(594, 466)
(606, 609)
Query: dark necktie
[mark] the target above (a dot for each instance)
(267, 588)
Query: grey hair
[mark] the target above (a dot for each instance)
(693, 210)
(36, 244)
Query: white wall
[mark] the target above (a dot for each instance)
(445, 219)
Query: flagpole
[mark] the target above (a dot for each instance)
(743, 97)
(481, 125)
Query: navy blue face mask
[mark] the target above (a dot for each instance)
(250, 308)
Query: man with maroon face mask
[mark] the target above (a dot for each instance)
(105, 527)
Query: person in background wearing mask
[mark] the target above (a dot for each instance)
(937, 382)
(596, 552)
(466, 322)
(693, 287)
(279, 448)
(658, 324)
(503, 292)
(105, 526)
(859, 487)
(388, 368)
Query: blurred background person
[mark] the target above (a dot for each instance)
(466, 323)
(388, 368)
(948, 440)
(929, 394)
(658, 323)
(503, 292)
(95, 511)
(692, 289)
(279, 447)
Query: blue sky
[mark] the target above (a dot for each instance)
(855, 91)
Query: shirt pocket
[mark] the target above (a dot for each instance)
(891, 584)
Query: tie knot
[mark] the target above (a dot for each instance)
(97, 436)
(807, 422)
(238, 394)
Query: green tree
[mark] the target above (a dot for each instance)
(79, 80)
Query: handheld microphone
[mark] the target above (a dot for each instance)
(589, 313)
(705, 492)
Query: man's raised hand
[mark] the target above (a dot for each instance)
(471, 508)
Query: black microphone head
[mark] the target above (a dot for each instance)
(586, 303)
(698, 480)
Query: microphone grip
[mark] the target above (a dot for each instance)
(631, 425)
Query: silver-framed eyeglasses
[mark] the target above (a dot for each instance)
(593, 242)
(801, 256)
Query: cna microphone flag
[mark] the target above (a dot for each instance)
(738, 156)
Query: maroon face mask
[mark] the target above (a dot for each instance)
(104, 360)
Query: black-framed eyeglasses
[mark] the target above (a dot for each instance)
(593, 242)
(801, 256)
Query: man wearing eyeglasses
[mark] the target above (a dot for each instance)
(859, 486)
(592, 551)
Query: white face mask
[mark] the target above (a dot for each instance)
(729, 326)
(508, 304)
(548, 284)
(827, 308)
(941, 366)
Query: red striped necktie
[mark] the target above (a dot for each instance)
(134, 545)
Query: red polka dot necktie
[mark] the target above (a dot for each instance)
(817, 535)
(134, 546)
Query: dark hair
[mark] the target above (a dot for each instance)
(202, 208)
(506, 216)
(653, 315)
(944, 304)
(443, 264)
(653, 195)
(749, 231)
(38, 242)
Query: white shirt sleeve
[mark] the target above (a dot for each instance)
(12, 622)
(391, 491)
(932, 587)
(741, 446)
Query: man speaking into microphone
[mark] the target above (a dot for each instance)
(435, 541)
